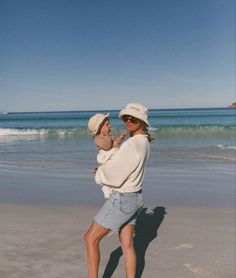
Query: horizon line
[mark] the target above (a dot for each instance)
(91, 110)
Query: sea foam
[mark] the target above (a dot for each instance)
(21, 132)
(226, 147)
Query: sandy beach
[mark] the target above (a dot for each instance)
(47, 242)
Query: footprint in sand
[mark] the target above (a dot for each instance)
(199, 271)
(184, 246)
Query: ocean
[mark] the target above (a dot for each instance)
(48, 157)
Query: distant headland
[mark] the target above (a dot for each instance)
(233, 105)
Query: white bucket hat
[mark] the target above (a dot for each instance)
(95, 122)
(136, 110)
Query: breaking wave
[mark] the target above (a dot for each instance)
(164, 132)
(15, 132)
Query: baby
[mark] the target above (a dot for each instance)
(107, 144)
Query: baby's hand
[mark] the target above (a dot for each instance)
(119, 139)
(122, 135)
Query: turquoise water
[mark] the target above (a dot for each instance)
(49, 157)
(170, 117)
(183, 127)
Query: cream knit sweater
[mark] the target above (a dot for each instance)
(125, 171)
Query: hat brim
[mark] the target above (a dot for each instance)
(92, 134)
(134, 114)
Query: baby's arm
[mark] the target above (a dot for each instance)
(104, 142)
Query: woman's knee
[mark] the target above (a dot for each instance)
(94, 234)
(126, 242)
(126, 237)
(86, 236)
(90, 237)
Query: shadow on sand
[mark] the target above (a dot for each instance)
(146, 228)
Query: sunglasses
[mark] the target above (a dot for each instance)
(130, 118)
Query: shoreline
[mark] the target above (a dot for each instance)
(47, 241)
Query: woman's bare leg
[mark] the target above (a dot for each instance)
(126, 240)
(92, 238)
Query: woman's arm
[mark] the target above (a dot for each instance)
(117, 170)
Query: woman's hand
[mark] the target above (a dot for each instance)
(95, 170)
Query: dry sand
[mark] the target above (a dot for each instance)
(47, 242)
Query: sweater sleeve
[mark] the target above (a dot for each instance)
(116, 171)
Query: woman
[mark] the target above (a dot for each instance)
(124, 173)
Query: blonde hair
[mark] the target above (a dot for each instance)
(144, 127)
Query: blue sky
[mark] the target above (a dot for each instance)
(82, 55)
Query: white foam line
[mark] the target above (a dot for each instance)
(226, 147)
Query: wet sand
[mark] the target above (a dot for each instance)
(47, 242)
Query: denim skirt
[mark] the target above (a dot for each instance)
(120, 209)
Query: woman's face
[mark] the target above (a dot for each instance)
(131, 124)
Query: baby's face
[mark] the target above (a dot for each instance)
(106, 128)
